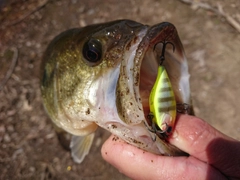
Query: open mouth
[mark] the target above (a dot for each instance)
(154, 46)
(161, 45)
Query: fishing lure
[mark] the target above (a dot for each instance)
(162, 101)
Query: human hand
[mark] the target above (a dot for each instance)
(212, 155)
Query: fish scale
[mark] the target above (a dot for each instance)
(162, 100)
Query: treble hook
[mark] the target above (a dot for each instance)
(155, 130)
(162, 57)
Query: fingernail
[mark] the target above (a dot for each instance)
(174, 134)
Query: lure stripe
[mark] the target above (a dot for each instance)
(166, 99)
(164, 89)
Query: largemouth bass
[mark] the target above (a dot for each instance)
(103, 74)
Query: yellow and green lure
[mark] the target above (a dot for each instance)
(162, 103)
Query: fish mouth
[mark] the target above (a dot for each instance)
(139, 69)
(151, 53)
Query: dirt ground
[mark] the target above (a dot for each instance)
(29, 148)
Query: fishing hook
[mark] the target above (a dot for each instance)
(155, 130)
(162, 57)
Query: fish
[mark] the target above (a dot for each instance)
(102, 75)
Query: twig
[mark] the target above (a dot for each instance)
(229, 19)
(218, 11)
(11, 68)
(21, 18)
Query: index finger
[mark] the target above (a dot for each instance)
(139, 164)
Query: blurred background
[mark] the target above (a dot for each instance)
(29, 148)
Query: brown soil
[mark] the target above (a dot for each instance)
(29, 148)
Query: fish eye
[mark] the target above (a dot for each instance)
(92, 51)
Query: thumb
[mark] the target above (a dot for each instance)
(204, 142)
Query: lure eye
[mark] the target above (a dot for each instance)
(92, 51)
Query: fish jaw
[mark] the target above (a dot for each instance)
(135, 84)
(121, 113)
